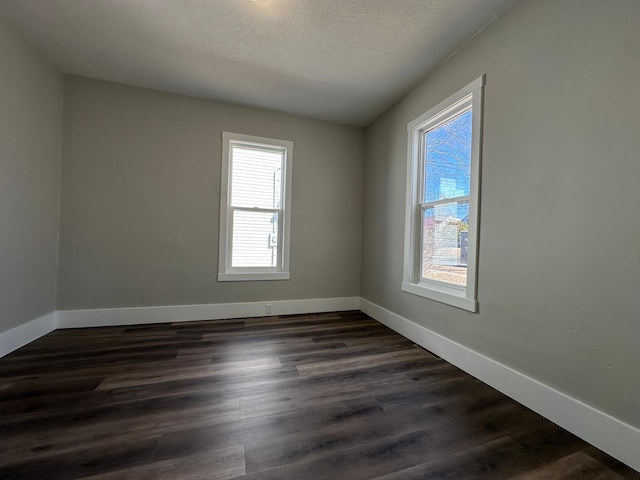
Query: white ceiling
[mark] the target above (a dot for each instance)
(344, 61)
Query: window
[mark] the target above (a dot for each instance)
(255, 213)
(441, 228)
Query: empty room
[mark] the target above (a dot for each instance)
(296, 239)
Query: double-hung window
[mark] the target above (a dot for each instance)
(255, 208)
(441, 228)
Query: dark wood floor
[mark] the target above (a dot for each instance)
(325, 396)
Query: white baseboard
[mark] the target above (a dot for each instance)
(19, 336)
(175, 313)
(607, 433)
(28, 332)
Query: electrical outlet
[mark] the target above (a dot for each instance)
(267, 308)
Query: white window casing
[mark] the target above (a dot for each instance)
(469, 98)
(255, 208)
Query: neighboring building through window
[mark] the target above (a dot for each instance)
(255, 208)
(441, 231)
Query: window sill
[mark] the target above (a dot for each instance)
(246, 277)
(442, 294)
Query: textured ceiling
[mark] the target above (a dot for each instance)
(344, 61)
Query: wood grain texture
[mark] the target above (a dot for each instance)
(317, 396)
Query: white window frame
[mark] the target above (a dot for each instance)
(226, 272)
(464, 297)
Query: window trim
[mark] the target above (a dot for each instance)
(457, 296)
(226, 272)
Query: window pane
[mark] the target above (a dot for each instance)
(256, 177)
(448, 159)
(444, 248)
(255, 239)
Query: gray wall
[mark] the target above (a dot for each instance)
(559, 264)
(30, 136)
(141, 196)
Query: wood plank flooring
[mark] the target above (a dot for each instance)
(322, 396)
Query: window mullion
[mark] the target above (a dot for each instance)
(445, 201)
(256, 209)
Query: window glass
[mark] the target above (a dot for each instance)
(448, 159)
(255, 239)
(256, 177)
(444, 246)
